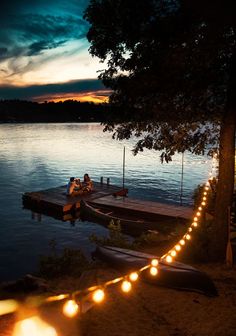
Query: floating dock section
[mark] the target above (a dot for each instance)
(148, 209)
(56, 200)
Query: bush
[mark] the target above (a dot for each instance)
(115, 237)
(199, 249)
(211, 196)
(71, 262)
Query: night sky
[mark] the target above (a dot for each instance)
(44, 52)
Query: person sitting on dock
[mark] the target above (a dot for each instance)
(73, 187)
(87, 184)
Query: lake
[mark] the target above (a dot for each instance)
(40, 156)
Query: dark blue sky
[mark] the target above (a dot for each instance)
(43, 46)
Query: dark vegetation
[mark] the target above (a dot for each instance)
(172, 67)
(68, 111)
(69, 262)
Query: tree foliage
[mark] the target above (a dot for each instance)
(168, 63)
(172, 67)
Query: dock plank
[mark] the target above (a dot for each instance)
(149, 207)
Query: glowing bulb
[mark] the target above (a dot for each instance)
(195, 224)
(133, 276)
(154, 262)
(188, 237)
(198, 213)
(205, 193)
(190, 229)
(200, 208)
(206, 188)
(173, 253)
(182, 242)
(169, 259)
(33, 326)
(204, 198)
(177, 247)
(126, 286)
(70, 308)
(153, 271)
(98, 296)
(203, 203)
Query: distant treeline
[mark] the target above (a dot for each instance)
(68, 111)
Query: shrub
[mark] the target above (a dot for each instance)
(70, 262)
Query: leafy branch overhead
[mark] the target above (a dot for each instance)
(168, 63)
(172, 67)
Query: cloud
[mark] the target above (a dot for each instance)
(31, 34)
(31, 28)
(72, 88)
(36, 47)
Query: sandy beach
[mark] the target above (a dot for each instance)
(149, 310)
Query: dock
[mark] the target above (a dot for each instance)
(149, 209)
(55, 203)
(56, 200)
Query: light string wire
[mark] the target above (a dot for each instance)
(97, 292)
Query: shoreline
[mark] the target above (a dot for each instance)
(148, 309)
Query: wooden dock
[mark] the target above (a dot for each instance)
(56, 200)
(148, 209)
(55, 203)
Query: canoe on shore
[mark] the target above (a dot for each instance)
(174, 275)
(133, 224)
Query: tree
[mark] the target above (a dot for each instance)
(172, 66)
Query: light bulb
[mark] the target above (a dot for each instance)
(169, 259)
(70, 308)
(133, 276)
(173, 253)
(177, 247)
(154, 262)
(126, 286)
(153, 271)
(33, 326)
(98, 295)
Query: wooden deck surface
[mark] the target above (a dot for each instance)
(55, 199)
(148, 207)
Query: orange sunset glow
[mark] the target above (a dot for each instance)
(100, 96)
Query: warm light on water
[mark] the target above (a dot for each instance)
(40, 156)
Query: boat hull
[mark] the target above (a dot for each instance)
(133, 227)
(175, 275)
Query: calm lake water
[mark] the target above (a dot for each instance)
(35, 157)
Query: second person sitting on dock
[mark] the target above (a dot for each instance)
(87, 184)
(73, 187)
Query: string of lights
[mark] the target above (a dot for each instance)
(72, 302)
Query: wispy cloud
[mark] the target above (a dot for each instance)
(36, 34)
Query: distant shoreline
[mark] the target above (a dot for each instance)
(16, 111)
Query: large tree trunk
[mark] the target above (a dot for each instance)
(225, 187)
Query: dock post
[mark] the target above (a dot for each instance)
(101, 180)
(108, 181)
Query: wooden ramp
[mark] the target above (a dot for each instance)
(148, 208)
(55, 199)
